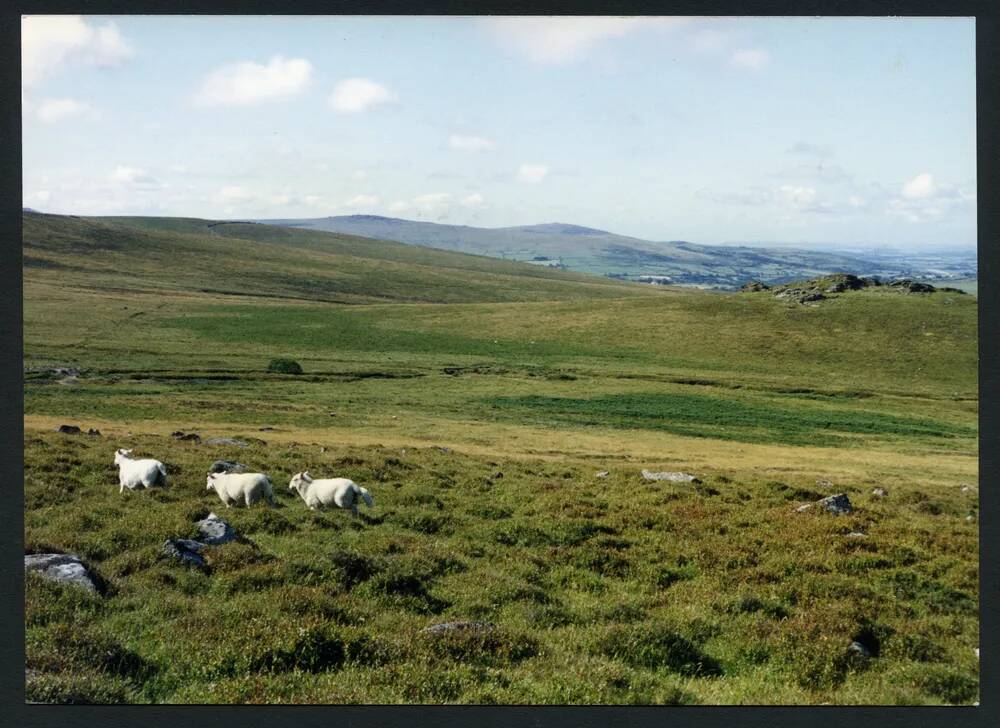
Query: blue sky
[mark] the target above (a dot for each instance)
(796, 130)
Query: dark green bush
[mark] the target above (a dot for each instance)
(657, 645)
(284, 366)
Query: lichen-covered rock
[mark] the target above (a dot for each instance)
(213, 531)
(65, 568)
(227, 466)
(184, 550)
(836, 504)
(672, 477)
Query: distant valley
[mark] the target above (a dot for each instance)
(600, 252)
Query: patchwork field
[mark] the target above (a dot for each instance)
(478, 399)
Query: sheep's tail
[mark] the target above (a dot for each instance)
(162, 477)
(363, 492)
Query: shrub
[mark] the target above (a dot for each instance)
(284, 366)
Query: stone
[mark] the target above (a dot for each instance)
(184, 550)
(754, 286)
(227, 466)
(601, 474)
(824, 484)
(266, 429)
(968, 489)
(66, 372)
(213, 531)
(94, 433)
(446, 627)
(880, 492)
(65, 568)
(186, 436)
(836, 504)
(68, 429)
(859, 649)
(672, 477)
(803, 508)
(227, 441)
(443, 449)
(857, 534)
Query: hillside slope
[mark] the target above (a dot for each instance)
(183, 254)
(601, 252)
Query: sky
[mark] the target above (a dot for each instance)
(816, 131)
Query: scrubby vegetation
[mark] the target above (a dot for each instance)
(480, 427)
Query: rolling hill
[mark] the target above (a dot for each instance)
(608, 254)
(185, 254)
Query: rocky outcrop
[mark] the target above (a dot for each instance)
(65, 568)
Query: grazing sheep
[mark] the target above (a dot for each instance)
(235, 487)
(138, 474)
(339, 492)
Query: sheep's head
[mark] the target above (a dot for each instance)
(210, 483)
(298, 480)
(122, 454)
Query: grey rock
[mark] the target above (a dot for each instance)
(266, 429)
(803, 508)
(184, 550)
(880, 492)
(443, 449)
(859, 649)
(601, 474)
(66, 372)
(446, 627)
(857, 534)
(94, 433)
(65, 568)
(672, 477)
(227, 466)
(214, 531)
(968, 489)
(824, 484)
(68, 429)
(836, 504)
(186, 436)
(227, 441)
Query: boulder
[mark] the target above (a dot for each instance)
(857, 534)
(227, 441)
(880, 492)
(184, 550)
(754, 286)
(859, 649)
(214, 531)
(836, 504)
(227, 466)
(601, 474)
(672, 477)
(65, 568)
(186, 436)
(910, 286)
(94, 433)
(446, 627)
(68, 429)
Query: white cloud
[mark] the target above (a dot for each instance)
(353, 95)
(50, 111)
(246, 83)
(561, 40)
(36, 198)
(134, 178)
(532, 173)
(752, 58)
(362, 202)
(52, 42)
(920, 187)
(473, 200)
(470, 143)
(809, 149)
(798, 195)
(235, 193)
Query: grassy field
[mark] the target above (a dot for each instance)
(477, 399)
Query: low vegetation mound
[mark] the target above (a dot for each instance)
(817, 289)
(284, 366)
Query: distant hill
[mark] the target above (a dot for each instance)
(238, 258)
(605, 253)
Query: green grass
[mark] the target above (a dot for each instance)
(477, 399)
(614, 590)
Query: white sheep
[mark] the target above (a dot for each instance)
(138, 474)
(235, 487)
(339, 492)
